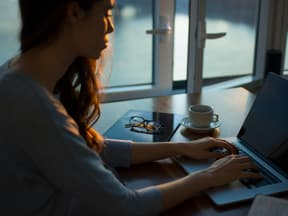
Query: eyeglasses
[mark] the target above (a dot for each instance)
(142, 125)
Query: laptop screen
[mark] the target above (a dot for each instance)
(266, 126)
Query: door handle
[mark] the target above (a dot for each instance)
(202, 35)
(160, 31)
(215, 35)
(164, 27)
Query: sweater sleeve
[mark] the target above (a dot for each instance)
(61, 154)
(117, 153)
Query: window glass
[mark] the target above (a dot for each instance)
(181, 31)
(9, 25)
(132, 19)
(233, 54)
(286, 58)
(132, 48)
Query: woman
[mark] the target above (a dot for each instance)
(52, 161)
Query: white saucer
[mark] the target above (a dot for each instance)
(188, 124)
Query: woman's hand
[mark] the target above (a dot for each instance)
(230, 168)
(203, 148)
(221, 172)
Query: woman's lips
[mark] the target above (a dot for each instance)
(106, 38)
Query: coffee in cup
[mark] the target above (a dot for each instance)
(202, 116)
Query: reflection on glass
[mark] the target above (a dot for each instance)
(122, 128)
(131, 46)
(286, 58)
(141, 125)
(233, 54)
(9, 23)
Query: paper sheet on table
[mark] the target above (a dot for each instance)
(268, 206)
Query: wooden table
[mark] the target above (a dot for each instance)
(232, 105)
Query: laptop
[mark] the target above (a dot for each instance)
(264, 137)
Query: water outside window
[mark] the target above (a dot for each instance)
(233, 54)
(132, 49)
(9, 22)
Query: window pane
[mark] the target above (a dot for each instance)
(286, 58)
(233, 54)
(132, 47)
(181, 30)
(9, 25)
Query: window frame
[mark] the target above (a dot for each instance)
(195, 80)
(278, 27)
(162, 61)
(266, 38)
(285, 23)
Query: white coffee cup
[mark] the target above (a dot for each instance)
(202, 116)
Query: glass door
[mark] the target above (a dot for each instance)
(142, 50)
(132, 48)
(140, 62)
(234, 25)
(233, 55)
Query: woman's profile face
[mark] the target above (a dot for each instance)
(92, 31)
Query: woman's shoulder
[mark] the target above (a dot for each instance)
(19, 90)
(28, 101)
(4, 68)
(15, 84)
(11, 83)
(10, 79)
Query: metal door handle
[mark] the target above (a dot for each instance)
(164, 27)
(215, 35)
(160, 31)
(202, 35)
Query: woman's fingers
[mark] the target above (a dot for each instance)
(251, 175)
(233, 167)
(216, 155)
(241, 158)
(248, 165)
(225, 144)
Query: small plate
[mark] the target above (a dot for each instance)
(188, 124)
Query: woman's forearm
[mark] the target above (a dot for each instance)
(177, 191)
(146, 152)
(196, 149)
(182, 189)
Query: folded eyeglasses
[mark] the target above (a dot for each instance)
(142, 125)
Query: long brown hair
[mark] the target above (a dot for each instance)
(78, 89)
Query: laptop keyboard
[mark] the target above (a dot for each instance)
(267, 179)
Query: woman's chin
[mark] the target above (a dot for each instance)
(100, 52)
(96, 54)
